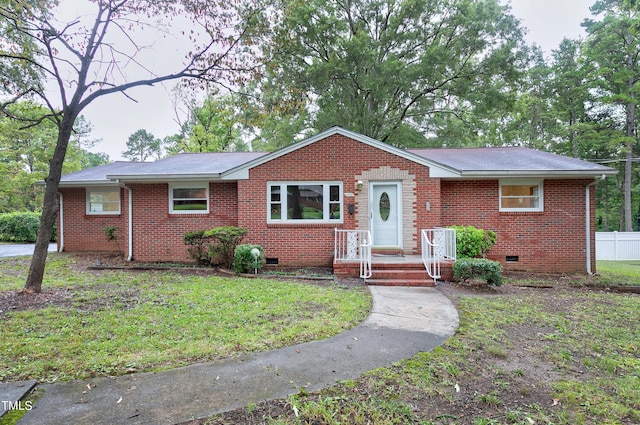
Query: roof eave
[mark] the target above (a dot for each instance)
(163, 178)
(85, 183)
(582, 174)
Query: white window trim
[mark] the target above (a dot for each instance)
(325, 201)
(539, 183)
(191, 185)
(90, 190)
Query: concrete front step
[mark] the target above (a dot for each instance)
(407, 273)
(401, 282)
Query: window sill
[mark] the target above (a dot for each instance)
(533, 212)
(304, 225)
(185, 215)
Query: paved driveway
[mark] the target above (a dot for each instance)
(20, 249)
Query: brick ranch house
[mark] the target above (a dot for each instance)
(541, 205)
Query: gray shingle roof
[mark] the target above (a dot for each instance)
(506, 160)
(184, 164)
(445, 163)
(210, 163)
(99, 174)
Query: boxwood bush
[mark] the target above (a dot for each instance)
(478, 268)
(21, 227)
(214, 246)
(245, 261)
(472, 242)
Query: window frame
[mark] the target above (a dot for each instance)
(539, 183)
(89, 191)
(188, 185)
(326, 202)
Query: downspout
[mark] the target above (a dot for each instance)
(130, 222)
(130, 256)
(61, 229)
(588, 220)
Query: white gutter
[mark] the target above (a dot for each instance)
(588, 221)
(61, 229)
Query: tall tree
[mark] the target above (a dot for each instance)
(210, 125)
(142, 145)
(613, 47)
(571, 97)
(385, 67)
(24, 155)
(104, 53)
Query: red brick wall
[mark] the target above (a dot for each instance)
(336, 158)
(157, 234)
(83, 232)
(548, 241)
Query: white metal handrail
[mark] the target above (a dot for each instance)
(446, 239)
(354, 245)
(437, 244)
(429, 255)
(365, 257)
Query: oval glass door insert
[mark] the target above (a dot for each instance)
(384, 206)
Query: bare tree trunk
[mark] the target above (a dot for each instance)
(50, 205)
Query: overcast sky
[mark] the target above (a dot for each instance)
(115, 118)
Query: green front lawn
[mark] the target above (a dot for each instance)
(115, 322)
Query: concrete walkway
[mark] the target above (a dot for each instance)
(403, 322)
(20, 249)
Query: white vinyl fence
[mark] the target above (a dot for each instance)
(617, 245)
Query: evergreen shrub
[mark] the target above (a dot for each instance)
(21, 227)
(244, 260)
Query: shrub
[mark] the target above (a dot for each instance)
(21, 227)
(225, 239)
(198, 247)
(472, 242)
(478, 268)
(245, 261)
(110, 232)
(215, 246)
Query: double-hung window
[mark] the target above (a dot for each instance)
(189, 198)
(293, 202)
(521, 195)
(103, 200)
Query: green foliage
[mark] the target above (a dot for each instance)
(110, 232)
(21, 227)
(378, 68)
(215, 246)
(198, 247)
(225, 239)
(472, 242)
(25, 152)
(478, 268)
(244, 259)
(209, 127)
(142, 145)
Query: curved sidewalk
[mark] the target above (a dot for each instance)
(403, 322)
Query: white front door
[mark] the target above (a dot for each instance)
(386, 214)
